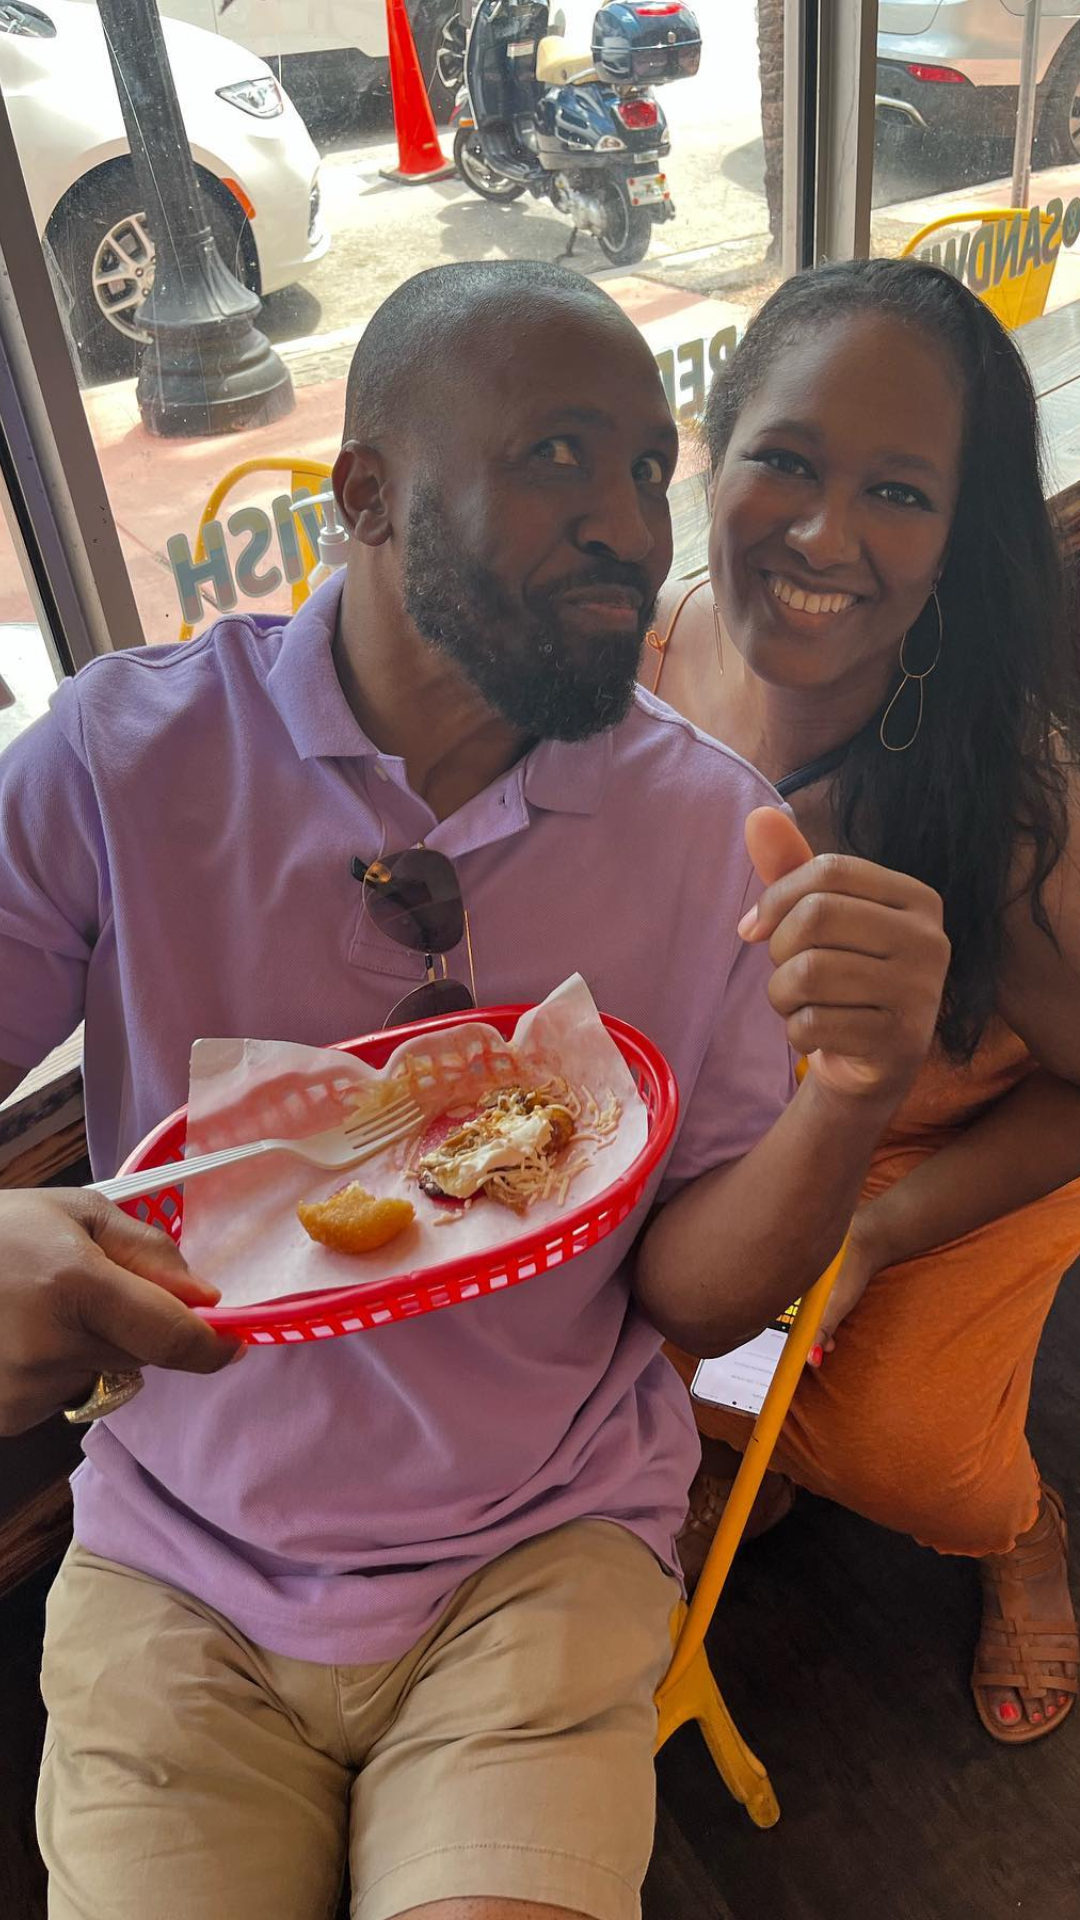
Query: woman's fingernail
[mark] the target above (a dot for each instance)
(238, 1355)
(816, 1356)
(747, 924)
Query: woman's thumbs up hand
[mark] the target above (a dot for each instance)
(860, 959)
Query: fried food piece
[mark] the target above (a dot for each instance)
(354, 1221)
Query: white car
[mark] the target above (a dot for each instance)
(329, 47)
(257, 167)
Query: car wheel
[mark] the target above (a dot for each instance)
(1059, 119)
(105, 253)
(440, 44)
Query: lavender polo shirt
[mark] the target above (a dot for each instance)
(176, 837)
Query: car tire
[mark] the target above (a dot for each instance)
(79, 232)
(428, 33)
(1058, 124)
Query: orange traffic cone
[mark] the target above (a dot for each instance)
(419, 154)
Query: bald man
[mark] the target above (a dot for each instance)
(400, 1602)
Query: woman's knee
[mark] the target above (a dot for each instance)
(957, 1493)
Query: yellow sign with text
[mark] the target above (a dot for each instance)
(985, 256)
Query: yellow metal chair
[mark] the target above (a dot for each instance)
(302, 473)
(1020, 292)
(688, 1690)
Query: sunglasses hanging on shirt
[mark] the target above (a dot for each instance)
(414, 897)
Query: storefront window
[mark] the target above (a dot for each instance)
(28, 668)
(949, 97)
(288, 114)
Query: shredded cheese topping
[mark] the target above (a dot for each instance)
(523, 1146)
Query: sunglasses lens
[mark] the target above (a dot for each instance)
(426, 1002)
(414, 898)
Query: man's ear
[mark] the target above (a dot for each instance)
(360, 486)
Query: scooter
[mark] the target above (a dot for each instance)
(579, 127)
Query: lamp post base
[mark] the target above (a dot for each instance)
(210, 387)
(206, 368)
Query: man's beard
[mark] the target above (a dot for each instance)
(548, 683)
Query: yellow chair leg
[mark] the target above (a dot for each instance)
(696, 1696)
(688, 1690)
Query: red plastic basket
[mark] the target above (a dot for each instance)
(322, 1316)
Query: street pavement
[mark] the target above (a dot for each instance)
(383, 233)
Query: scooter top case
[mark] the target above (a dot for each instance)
(642, 43)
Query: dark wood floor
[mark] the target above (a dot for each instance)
(843, 1653)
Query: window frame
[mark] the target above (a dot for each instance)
(830, 65)
(72, 559)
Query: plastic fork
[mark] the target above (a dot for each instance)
(345, 1146)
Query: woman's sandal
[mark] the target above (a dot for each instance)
(708, 1498)
(1018, 1650)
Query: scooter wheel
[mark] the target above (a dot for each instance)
(627, 231)
(477, 174)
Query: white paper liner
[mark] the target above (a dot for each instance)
(240, 1225)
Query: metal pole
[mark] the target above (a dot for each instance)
(1025, 106)
(206, 368)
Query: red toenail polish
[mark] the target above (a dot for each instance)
(1036, 1716)
(1008, 1711)
(1051, 1707)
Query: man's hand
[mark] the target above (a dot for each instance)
(860, 956)
(84, 1289)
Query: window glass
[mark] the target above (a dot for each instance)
(28, 670)
(948, 102)
(288, 112)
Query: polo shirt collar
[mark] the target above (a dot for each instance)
(305, 689)
(569, 776)
(558, 776)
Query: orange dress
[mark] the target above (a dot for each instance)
(917, 1419)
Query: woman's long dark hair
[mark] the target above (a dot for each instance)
(986, 776)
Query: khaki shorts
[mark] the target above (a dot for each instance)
(190, 1775)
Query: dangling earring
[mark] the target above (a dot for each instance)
(919, 678)
(719, 636)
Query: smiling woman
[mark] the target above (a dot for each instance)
(822, 527)
(895, 657)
